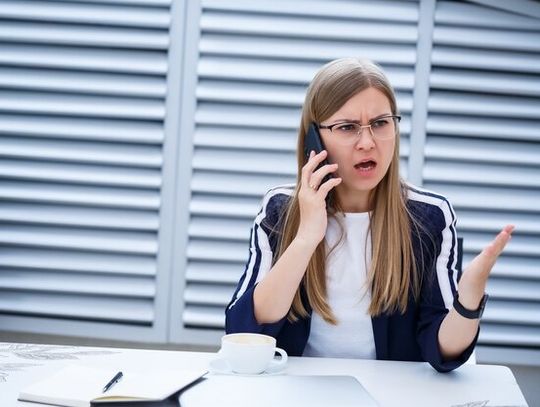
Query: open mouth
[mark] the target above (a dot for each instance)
(366, 165)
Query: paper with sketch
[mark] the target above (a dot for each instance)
(78, 386)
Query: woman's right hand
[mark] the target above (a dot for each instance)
(311, 199)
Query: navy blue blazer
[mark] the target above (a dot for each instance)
(412, 336)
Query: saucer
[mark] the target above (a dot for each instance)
(220, 366)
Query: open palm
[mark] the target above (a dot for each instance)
(473, 281)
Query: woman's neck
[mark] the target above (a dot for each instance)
(353, 201)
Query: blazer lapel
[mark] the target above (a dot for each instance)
(380, 333)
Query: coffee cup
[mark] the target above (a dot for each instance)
(249, 353)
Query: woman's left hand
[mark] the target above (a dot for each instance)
(472, 284)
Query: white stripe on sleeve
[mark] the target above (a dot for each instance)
(448, 246)
(264, 252)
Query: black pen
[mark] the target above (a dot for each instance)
(113, 381)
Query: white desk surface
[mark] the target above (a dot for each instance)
(390, 383)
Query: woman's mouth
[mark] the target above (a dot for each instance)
(365, 166)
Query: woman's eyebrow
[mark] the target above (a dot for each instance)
(358, 121)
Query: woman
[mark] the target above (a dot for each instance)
(372, 273)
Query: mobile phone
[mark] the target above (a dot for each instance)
(313, 142)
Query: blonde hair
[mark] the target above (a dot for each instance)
(393, 269)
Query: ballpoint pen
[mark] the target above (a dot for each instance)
(113, 381)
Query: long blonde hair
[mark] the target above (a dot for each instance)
(393, 270)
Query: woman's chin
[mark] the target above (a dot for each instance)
(356, 186)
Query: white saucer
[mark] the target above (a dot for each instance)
(220, 366)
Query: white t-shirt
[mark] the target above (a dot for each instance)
(348, 296)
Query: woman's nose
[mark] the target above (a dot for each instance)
(364, 140)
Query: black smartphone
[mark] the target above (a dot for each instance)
(313, 142)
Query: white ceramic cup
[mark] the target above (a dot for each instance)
(249, 353)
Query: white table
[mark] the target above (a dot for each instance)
(390, 383)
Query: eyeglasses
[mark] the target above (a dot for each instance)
(381, 128)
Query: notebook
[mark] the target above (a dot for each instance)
(279, 390)
(79, 386)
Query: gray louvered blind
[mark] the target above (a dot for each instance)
(256, 60)
(82, 109)
(483, 152)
